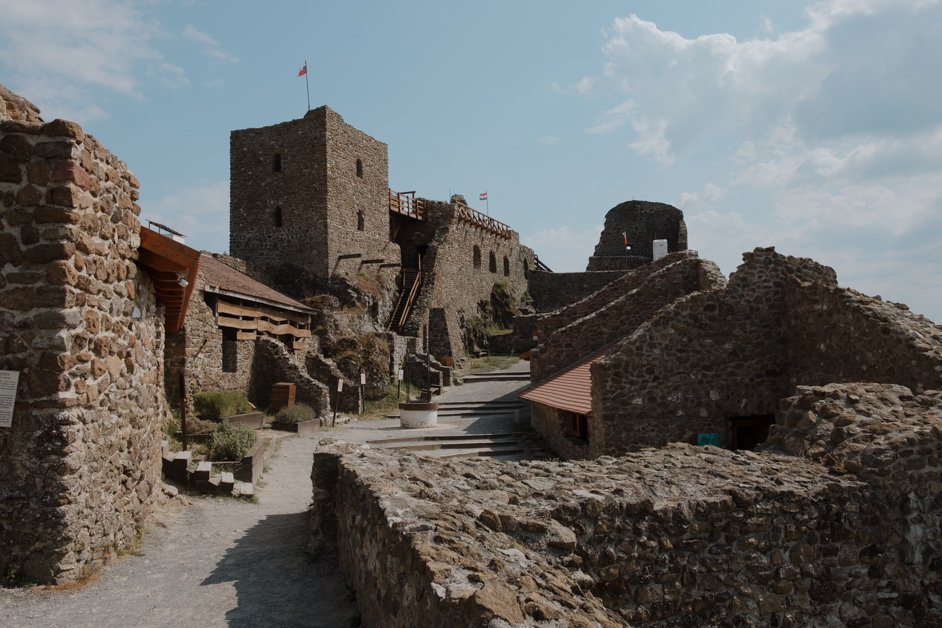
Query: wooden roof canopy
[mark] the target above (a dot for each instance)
(168, 262)
(569, 389)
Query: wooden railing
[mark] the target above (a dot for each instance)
(406, 204)
(487, 223)
(406, 301)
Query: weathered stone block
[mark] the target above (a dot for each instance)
(10, 251)
(17, 146)
(69, 171)
(29, 195)
(47, 214)
(64, 195)
(9, 169)
(45, 253)
(64, 128)
(54, 150)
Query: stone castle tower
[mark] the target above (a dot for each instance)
(309, 196)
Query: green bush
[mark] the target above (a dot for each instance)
(215, 404)
(296, 414)
(231, 442)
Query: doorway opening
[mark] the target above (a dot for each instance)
(748, 432)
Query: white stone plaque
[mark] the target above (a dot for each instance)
(8, 381)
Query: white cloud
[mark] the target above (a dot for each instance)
(210, 46)
(58, 51)
(564, 249)
(831, 133)
(202, 213)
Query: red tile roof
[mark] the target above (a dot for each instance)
(570, 389)
(222, 278)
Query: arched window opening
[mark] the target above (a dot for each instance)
(361, 223)
(278, 218)
(360, 168)
(506, 267)
(492, 262)
(526, 267)
(276, 162)
(477, 256)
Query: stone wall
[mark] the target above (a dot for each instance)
(551, 291)
(678, 536)
(80, 466)
(617, 310)
(643, 222)
(840, 335)
(275, 363)
(552, 424)
(300, 204)
(453, 286)
(720, 354)
(712, 355)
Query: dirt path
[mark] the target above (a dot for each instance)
(220, 562)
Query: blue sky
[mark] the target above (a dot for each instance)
(815, 127)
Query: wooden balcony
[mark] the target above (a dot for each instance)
(406, 204)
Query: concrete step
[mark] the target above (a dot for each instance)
(467, 443)
(471, 452)
(450, 405)
(447, 437)
(496, 377)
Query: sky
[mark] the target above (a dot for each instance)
(814, 127)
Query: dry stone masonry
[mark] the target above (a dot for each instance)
(721, 355)
(840, 527)
(80, 466)
(642, 222)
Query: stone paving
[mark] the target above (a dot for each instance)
(224, 562)
(221, 562)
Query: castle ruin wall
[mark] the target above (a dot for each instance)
(458, 280)
(604, 318)
(642, 222)
(720, 355)
(309, 199)
(709, 356)
(80, 465)
(681, 535)
(840, 335)
(552, 291)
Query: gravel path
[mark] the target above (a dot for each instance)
(220, 562)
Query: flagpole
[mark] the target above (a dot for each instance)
(307, 85)
(487, 202)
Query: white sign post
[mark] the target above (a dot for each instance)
(8, 382)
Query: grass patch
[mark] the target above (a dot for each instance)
(388, 404)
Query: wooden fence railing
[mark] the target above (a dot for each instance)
(478, 219)
(406, 204)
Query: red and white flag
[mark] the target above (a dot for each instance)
(303, 70)
(483, 196)
(624, 234)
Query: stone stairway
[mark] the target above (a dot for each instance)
(409, 278)
(497, 376)
(508, 445)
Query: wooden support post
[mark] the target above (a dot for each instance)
(183, 410)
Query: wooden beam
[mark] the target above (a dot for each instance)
(259, 311)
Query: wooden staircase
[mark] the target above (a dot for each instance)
(411, 284)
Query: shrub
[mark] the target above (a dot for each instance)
(214, 404)
(296, 414)
(231, 442)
